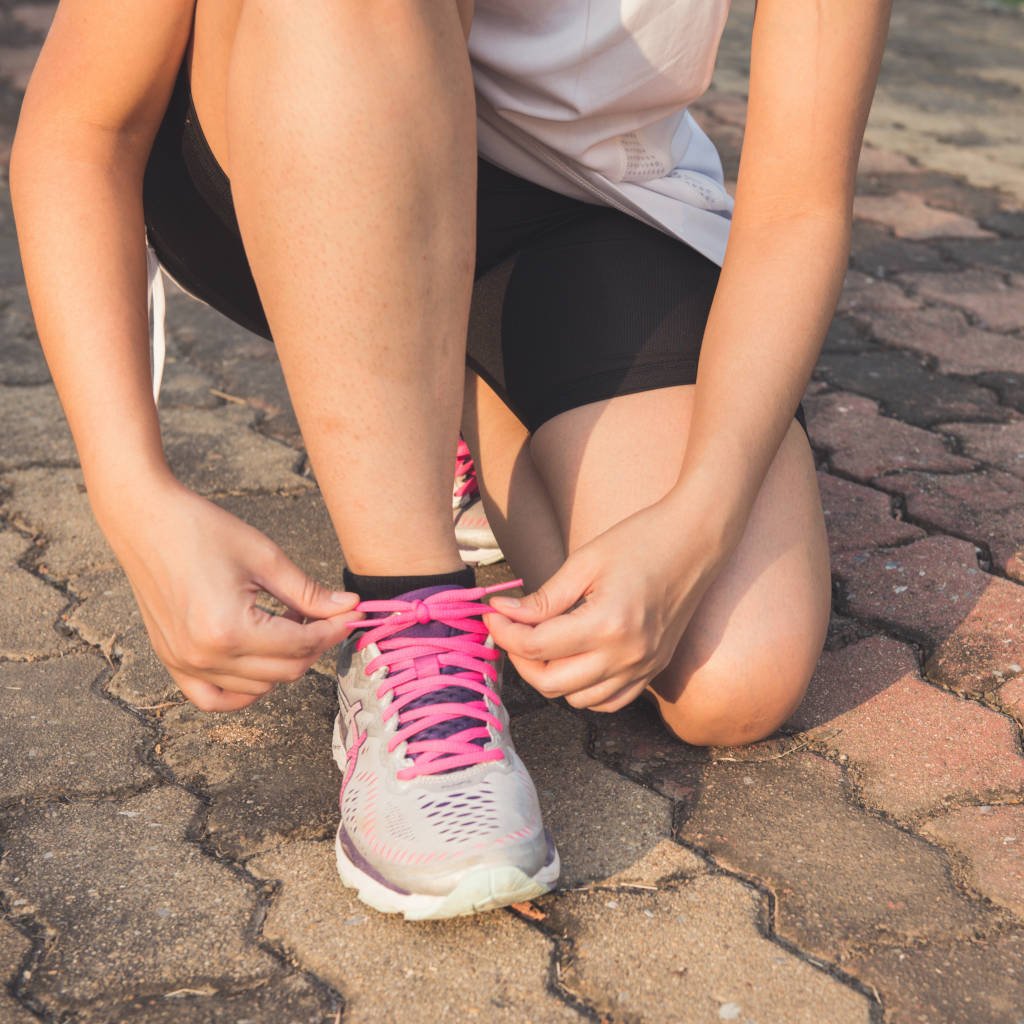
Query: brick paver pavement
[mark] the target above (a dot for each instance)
(159, 864)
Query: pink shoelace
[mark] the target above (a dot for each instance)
(414, 665)
(465, 470)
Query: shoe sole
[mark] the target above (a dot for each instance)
(479, 890)
(481, 556)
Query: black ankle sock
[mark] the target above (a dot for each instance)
(387, 588)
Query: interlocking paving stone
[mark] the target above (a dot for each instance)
(973, 622)
(847, 334)
(663, 863)
(983, 507)
(996, 302)
(948, 192)
(911, 217)
(722, 106)
(492, 965)
(33, 427)
(863, 292)
(907, 389)
(21, 358)
(185, 384)
(61, 738)
(859, 517)
(914, 747)
(843, 630)
(998, 444)
(13, 949)
(299, 525)
(241, 364)
(35, 17)
(635, 742)
(990, 842)
(946, 335)
(1009, 387)
(53, 503)
(843, 879)
(11, 275)
(109, 618)
(267, 770)
(283, 999)
(712, 961)
(1001, 254)
(29, 609)
(130, 907)
(875, 251)
(978, 980)
(862, 442)
(602, 823)
(874, 161)
(1005, 222)
(214, 451)
(1011, 697)
(16, 63)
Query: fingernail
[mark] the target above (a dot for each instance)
(343, 597)
(507, 602)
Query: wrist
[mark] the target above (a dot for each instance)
(121, 495)
(712, 507)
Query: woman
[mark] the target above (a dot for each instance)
(665, 517)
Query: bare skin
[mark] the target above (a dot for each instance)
(704, 580)
(743, 662)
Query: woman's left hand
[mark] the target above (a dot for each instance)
(611, 618)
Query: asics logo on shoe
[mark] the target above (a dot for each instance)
(349, 716)
(353, 738)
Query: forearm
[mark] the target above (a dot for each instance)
(772, 307)
(78, 211)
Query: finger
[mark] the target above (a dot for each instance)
(268, 672)
(237, 683)
(564, 676)
(558, 595)
(277, 636)
(282, 578)
(626, 695)
(208, 697)
(560, 637)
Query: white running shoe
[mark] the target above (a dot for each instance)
(473, 534)
(439, 816)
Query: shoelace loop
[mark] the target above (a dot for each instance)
(415, 665)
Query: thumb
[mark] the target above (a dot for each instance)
(556, 596)
(303, 595)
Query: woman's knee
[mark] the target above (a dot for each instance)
(733, 700)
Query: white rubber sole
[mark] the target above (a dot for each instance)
(481, 556)
(477, 891)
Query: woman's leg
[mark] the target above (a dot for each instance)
(746, 657)
(351, 150)
(517, 503)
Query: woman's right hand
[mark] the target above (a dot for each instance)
(197, 572)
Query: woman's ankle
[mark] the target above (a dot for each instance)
(387, 588)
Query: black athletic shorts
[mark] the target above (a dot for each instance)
(573, 302)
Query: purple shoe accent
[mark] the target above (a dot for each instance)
(363, 864)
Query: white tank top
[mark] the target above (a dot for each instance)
(589, 98)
